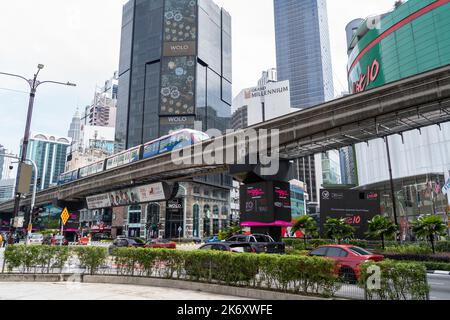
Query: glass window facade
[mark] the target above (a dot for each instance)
(175, 69)
(303, 50)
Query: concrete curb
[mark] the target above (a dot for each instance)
(439, 272)
(198, 286)
(164, 283)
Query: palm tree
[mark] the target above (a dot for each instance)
(338, 229)
(429, 227)
(381, 227)
(307, 225)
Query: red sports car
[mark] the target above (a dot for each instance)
(160, 243)
(348, 259)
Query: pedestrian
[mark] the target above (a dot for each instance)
(1, 240)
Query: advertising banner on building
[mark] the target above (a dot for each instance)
(125, 197)
(356, 207)
(265, 204)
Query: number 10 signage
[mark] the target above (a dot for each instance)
(356, 207)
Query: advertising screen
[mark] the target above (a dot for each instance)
(265, 204)
(356, 207)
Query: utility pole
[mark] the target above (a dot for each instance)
(391, 180)
(34, 84)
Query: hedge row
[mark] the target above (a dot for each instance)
(438, 257)
(391, 246)
(288, 273)
(43, 258)
(397, 281)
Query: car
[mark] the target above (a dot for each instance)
(126, 243)
(160, 243)
(212, 239)
(36, 239)
(261, 242)
(60, 240)
(348, 259)
(231, 247)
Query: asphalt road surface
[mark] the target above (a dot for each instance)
(440, 286)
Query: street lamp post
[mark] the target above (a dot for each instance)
(33, 197)
(34, 84)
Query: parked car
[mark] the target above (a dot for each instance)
(260, 242)
(160, 243)
(126, 243)
(212, 239)
(36, 239)
(60, 240)
(231, 247)
(348, 259)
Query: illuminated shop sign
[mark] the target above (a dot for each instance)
(365, 79)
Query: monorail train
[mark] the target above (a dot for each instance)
(168, 143)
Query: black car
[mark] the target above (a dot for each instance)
(231, 247)
(126, 243)
(260, 242)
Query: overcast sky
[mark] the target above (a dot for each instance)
(79, 40)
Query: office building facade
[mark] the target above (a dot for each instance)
(411, 39)
(49, 154)
(102, 112)
(175, 72)
(303, 50)
(304, 58)
(175, 69)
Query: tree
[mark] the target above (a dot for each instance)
(229, 232)
(307, 225)
(429, 227)
(338, 229)
(381, 227)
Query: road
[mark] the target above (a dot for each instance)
(440, 286)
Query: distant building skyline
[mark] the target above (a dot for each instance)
(49, 154)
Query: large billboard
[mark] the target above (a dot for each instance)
(125, 197)
(265, 204)
(356, 207)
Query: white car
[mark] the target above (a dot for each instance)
(36, 238)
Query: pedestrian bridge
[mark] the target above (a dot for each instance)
(408, 104)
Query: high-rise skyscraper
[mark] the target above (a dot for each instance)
(75, 129)
(304, 58)
(102, 112)
(303, 50)
(175, 72)
(49, 154)
(175, 69)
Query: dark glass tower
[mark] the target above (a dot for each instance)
(304, 58)
(175, 69)
(303, 50)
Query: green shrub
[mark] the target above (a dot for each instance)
(414, 249)
(443, 246)
(430, 265)
(398, 281)
(29, 257)
(91, 257)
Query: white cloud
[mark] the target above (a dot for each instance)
(79, 40)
